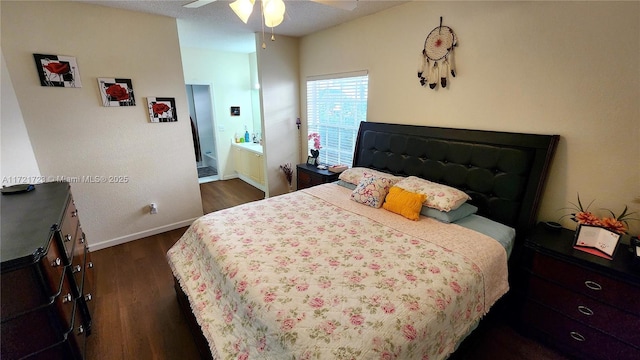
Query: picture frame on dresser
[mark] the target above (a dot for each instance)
(596, 240)
(311, 161)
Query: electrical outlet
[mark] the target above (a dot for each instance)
(153, 208)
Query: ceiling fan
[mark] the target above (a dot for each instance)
(273, 11)
(348, 5)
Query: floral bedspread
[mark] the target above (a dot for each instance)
(314, 275)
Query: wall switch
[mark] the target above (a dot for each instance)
(153, 208)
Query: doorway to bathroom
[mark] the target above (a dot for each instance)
(203, 131)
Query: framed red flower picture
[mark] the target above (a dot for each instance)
(162, 109)
(116, 92)
(58, 71)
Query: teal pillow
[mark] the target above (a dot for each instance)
(343, 183)
(449, 216)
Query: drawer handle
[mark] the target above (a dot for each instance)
(77, 268)
(80, 330)
(577, 336)
(88, 297)
(67, 238)
(66, 298)
(56, 262)
(593, 285)
(74, 213)
(90, 265)
(82, 239)
(585, 310)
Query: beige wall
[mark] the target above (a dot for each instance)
(73, 135)
(278, 73)
(567, 68)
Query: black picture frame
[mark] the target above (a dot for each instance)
(58, 70)
(162, 109)
(235, 111)
(311, 161)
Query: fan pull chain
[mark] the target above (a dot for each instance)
(264, 45)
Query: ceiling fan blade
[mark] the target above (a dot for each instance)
(340, 4)
(198, 3)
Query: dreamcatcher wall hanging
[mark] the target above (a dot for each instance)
(436, 60)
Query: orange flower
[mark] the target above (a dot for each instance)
(587, 218)
(614, 225)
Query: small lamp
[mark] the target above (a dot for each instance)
(298, 123)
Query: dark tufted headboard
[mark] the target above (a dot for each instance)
(504, 173)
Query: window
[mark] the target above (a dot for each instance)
(336, 104)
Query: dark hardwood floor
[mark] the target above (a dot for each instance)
(137, 315)
(218, 195)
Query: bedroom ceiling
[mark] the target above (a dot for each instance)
(215, 26)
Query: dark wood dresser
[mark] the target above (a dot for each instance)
(47, 276)
(584, 305)
(309, 175)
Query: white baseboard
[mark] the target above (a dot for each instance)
(139, 235)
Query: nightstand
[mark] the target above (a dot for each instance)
(309, 176)
(584, 305)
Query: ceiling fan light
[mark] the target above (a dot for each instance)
(272, 21)
(273, 12)
(274, 6)
(243, 9)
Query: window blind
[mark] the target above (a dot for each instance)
(336, 104)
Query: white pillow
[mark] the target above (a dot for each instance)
(441, 197)
(354, 175)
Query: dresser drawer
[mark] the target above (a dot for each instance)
(304, 180)
(78, 335)
(83, 274)
(78, 260)
(39, 329)
(30, 287)
(575, 336)
(88, 289)
(586, 310)
(72, 347)
(590, 283)
(69, 226)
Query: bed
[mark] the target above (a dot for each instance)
(315, 275)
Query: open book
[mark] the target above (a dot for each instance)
(596, 240)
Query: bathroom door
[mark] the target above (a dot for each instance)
(201, 113)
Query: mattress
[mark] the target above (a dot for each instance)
(312, 274)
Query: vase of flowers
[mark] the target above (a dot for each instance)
(288, 174)
(315, 150)
(616, 223)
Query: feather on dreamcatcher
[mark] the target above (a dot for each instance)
(436, 59)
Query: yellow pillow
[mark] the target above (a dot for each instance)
(405, 203)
